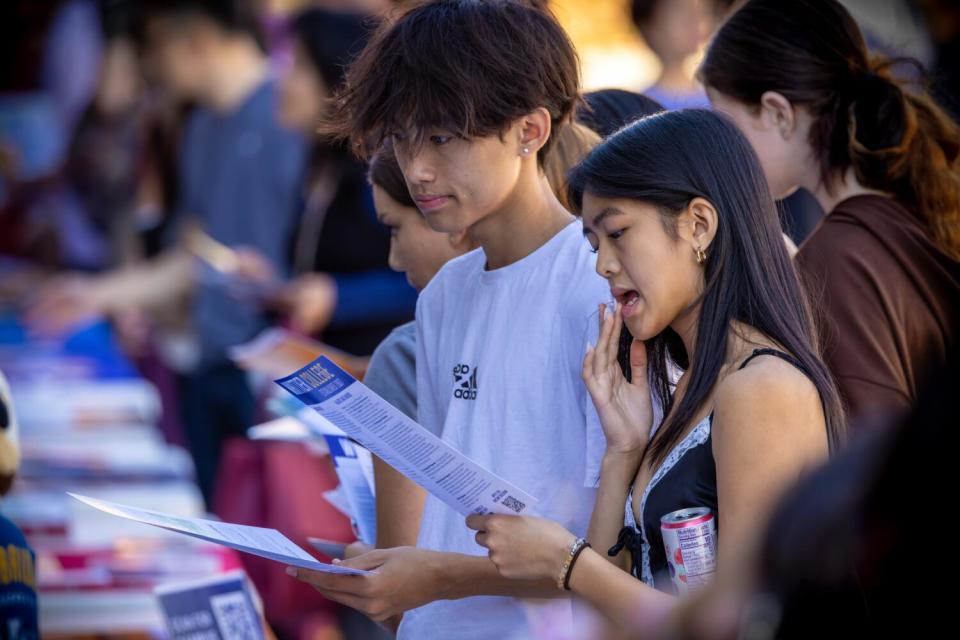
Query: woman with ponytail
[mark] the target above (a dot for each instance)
(882, 159)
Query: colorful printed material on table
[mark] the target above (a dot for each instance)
(418, 454)
(276, 352)
(221, 607)
(258, 541)
(283, 429)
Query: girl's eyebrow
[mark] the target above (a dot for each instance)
(600, 217)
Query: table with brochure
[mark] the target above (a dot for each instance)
(88, 424)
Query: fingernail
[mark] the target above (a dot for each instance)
(292, 571)
(336, 561)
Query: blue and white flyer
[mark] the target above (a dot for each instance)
(402, 443)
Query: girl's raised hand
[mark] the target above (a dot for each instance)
(625, 409)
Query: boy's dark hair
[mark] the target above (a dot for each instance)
(234, 16)
(467, 66)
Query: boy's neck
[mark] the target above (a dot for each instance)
(234, 75)
(524, 223)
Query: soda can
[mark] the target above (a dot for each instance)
(690, 541)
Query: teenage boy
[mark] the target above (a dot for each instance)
(469, 93)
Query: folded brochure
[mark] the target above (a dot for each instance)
(399, 441)
(259, 541)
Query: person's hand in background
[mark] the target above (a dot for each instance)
(71, 299)
(63, 302)
(252, 266)
(310, 301)
(133, 330)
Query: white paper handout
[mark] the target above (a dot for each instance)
(283, 429)
(402, 443)
(266, 543)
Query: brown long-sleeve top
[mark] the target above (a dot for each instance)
(888, 300)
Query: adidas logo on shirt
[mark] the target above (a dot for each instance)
(465, 381)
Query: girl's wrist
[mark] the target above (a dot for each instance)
(560, 554)
(570, 556)
(621, 460)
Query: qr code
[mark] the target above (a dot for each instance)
(513, 504)
(235, 616)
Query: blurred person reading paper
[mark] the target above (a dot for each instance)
(343, 287)
(240, 175)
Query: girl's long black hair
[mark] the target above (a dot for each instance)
(666, 160)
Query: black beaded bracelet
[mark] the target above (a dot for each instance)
(573, 560)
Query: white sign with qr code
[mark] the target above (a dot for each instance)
(388, 433)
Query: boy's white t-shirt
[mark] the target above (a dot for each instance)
(499, 358)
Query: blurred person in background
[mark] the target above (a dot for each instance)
(49, 51)
(574, 141)
(943, 20)
(344, 288)
(239, 183)
(883, 159)
(675, 31)
(606, 110)
(106, 159)
(847, 553)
